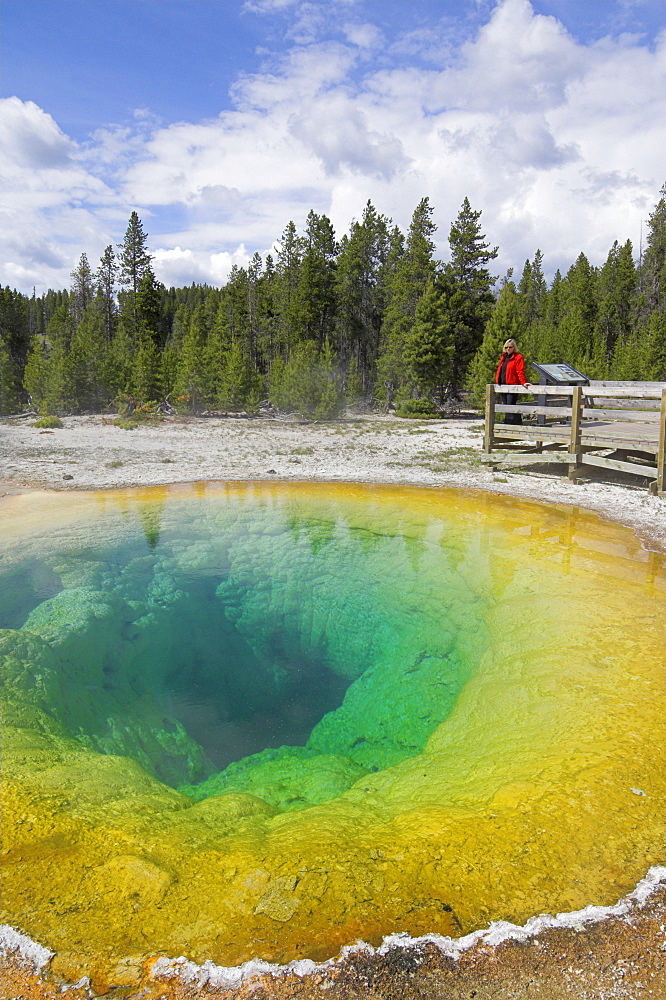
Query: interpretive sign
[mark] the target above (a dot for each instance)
(560, 374)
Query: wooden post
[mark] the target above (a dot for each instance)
(574, 439)
(659, 486)
(489, 431)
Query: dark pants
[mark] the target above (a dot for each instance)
(509, 399)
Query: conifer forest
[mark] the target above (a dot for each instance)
(370, 320)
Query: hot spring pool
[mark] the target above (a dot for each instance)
(267, 720)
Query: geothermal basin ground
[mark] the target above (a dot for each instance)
(622, 955)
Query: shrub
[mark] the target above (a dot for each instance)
(126, 425)
(135, 410)
(48, 422)
(421, 409)
(308, 383)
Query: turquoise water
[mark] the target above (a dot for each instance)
(234, 644)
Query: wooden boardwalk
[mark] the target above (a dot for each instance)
(612, 425)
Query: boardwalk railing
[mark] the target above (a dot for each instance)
(612, 425)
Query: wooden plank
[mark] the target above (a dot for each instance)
(632, 436)
(602, 436)
(621, 392)
(652, 391)
(537, 390)
(660, 482)
(641, 416)
(532, 458)
(550, 432)
(626, 383)
(621, 404)
(489, 428)
(548, 411)
(612, 463)
(576, 421)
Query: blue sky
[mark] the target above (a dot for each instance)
(220, 120)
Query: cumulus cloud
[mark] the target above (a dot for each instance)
(30, 139)
(49, 201)
(340, 137)
(559, 143)
(180, 267)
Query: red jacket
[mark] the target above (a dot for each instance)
(515, 370)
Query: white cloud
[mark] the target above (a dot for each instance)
(30, 139)
(180, 267)
(50, 204)
(348, 141)
(365, 36)
(560, 144)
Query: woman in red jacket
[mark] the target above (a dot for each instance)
(511, 371)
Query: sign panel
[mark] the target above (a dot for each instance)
(561, 374)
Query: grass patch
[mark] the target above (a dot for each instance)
(45, 422)
(302, 451)
(114, 465)
(445, 461)
(416, 408)
(461, 452)
(126, 425)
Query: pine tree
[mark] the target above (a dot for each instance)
(362, 274)
(507, 322)
(45, 378)
(36, 376)
(9, 386)
(148, 306)
(532, 288)
(240, 383)
(254, 272)
(193, 378)
(315, 291)
(290, 326)
(467, 270)
(308, 383)
(15, 340)
(578, 314)
(353, 384)
(105, 278)
(654, 353)
(85, 385)
(653, 269)
(236, 303)
(118, 362)
(616, 293)
(413, 274)
(168, 376)
(470, 254)
(146, 376)
(429, 344)
(266, 316)
(83, 288)
(133, 259)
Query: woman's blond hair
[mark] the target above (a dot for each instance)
(510, 340)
